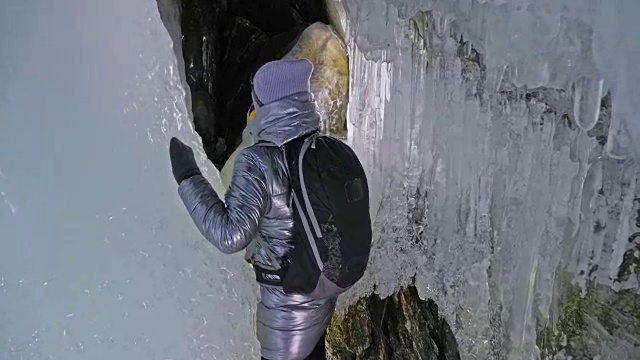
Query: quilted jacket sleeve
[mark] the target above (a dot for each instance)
(230, 227)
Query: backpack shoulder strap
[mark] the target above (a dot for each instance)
(309, 221)
(265, 144)
(309, 142)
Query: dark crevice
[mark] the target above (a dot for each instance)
(401, 326)
(223, 43)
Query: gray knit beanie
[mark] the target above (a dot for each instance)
(281, 78)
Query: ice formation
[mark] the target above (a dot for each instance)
(99, 259)
(481, 186)
(495, 168)
(589, 44)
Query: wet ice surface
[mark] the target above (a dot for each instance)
(99, 258)
(480, 185)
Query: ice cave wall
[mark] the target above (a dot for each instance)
(502, 171)
(503, 199)
(98, 257)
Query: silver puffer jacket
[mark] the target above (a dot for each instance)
(258, 207)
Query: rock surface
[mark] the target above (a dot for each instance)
(242, 47)
(201, 52)
(592, 324)
(330, 78)
(402, 326)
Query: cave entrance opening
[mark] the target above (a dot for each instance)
(223, 43)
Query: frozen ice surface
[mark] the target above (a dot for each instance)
(540, 43)
(495, 174)
(479, 185)
(99, 259)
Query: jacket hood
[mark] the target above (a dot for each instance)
(286, 119)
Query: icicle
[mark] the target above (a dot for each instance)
(468, 49)
(617, 139)
(586, 102)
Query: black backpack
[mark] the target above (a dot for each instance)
(332, 225)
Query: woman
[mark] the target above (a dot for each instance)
(257, 209)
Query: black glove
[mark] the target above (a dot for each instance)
(183, 163)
